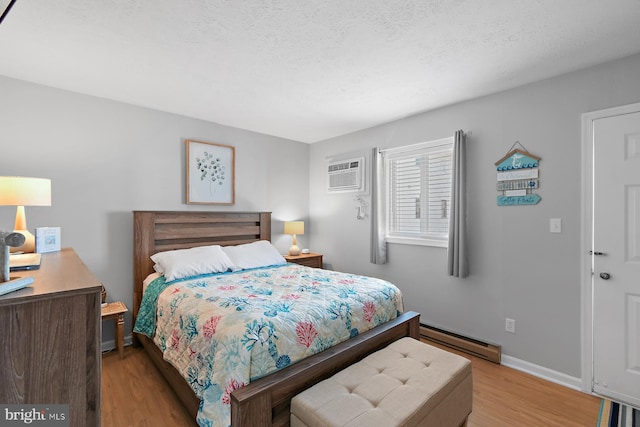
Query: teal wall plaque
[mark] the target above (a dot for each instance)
(529, 199)
(517, 159)
(517, 176)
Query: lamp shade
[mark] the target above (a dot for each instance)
(294, 227)
(24, 191)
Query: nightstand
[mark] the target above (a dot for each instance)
(115, 311)
(310, 260)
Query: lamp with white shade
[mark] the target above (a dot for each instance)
(294, 227)
(20, 192)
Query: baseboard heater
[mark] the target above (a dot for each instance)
(490, 352)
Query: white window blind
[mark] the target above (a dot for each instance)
(419, 192)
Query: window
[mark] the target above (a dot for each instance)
(418, 192)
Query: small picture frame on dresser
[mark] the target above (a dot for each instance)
(47, 239)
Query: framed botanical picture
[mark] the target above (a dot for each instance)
(210, 173)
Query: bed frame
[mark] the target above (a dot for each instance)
(264, 402)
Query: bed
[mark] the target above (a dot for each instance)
(263, 402)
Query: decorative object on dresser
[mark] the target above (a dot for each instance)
(294, 227)
(48, 239)
(210, 173)
(20, 192)
(51, 339)
(20, 262)
(309, 259)
(263, 402)
(15, 284)
(7, 283)
(7, 240)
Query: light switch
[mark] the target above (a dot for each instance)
(555, 225)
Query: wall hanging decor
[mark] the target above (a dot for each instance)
(210, 173)
(517, 176)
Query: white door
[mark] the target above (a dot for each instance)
(616, 257)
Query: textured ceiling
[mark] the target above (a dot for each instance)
(307, 70)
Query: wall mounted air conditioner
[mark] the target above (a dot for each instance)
(345, 176)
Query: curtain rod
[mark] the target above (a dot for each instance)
(435, 142)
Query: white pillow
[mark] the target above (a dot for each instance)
(192, 262)
(253, 255)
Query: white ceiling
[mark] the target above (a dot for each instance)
(307, 70)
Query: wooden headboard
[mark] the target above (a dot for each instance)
(157, 231)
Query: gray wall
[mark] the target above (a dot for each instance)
(518, 268)
(106, 159)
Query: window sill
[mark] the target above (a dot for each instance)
(418, 242)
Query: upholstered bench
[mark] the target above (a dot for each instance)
(408, 383)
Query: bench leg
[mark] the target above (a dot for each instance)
(120, 335)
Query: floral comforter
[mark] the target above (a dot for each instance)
(223, 331)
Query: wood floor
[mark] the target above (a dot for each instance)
(135, 394)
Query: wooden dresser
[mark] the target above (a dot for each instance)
(50, 339)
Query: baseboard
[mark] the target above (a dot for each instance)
(493, 353)
(490, 352)
(542, 372)
(111, 344)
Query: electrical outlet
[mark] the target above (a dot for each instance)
(555, 225)
(510, 325)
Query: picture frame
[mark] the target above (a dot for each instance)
(47, 239)
(210, 173)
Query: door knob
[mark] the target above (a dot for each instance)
(605, 276)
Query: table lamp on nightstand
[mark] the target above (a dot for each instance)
(20, 192)
(294, 227)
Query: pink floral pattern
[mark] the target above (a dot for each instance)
(175, 338)
(369, 310)
(210, 326)
(306, 333)
(231, 386)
